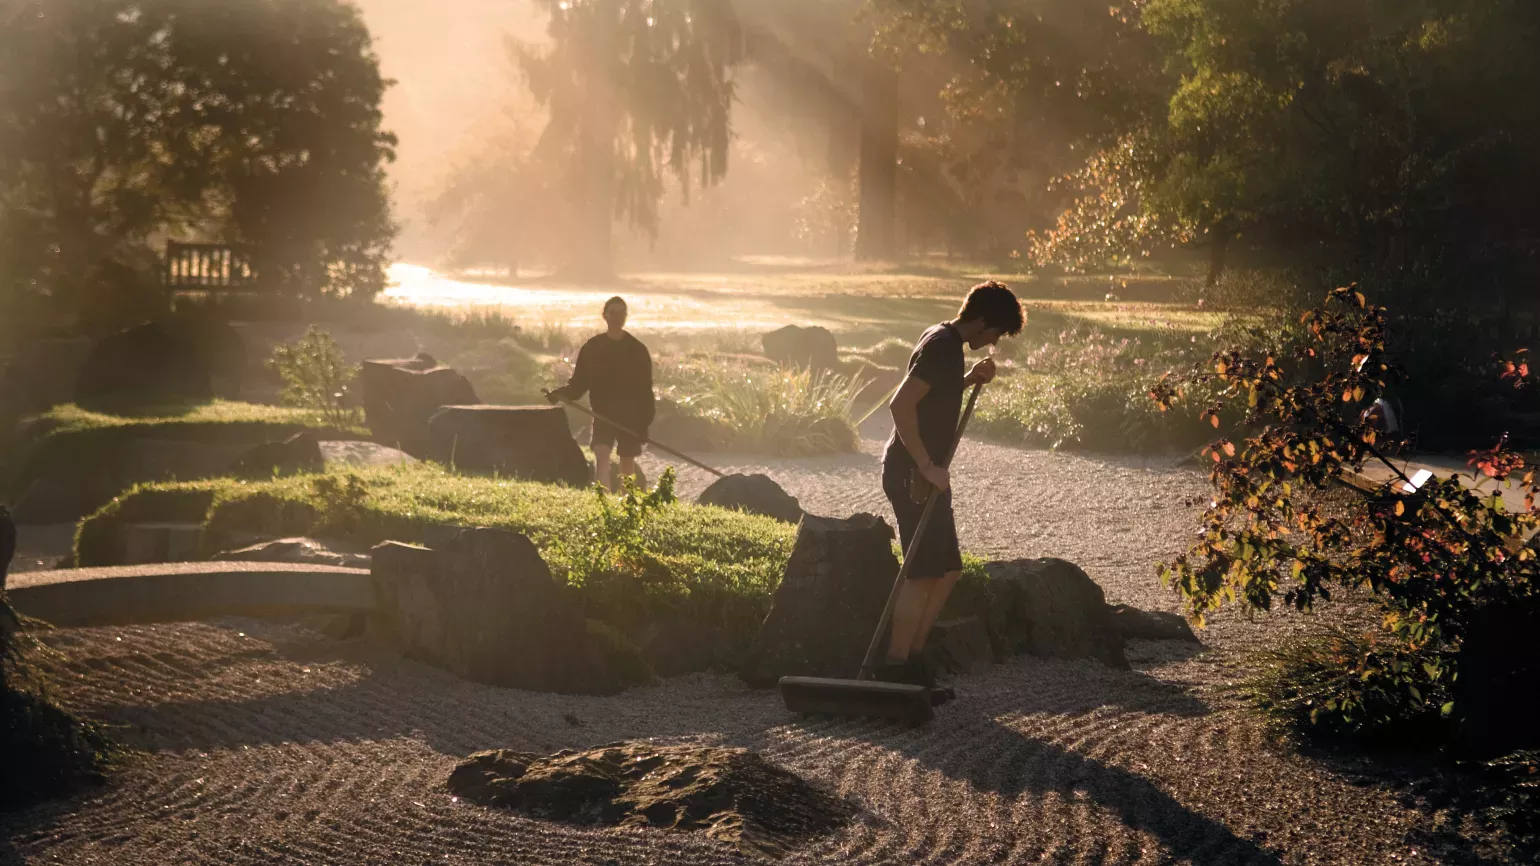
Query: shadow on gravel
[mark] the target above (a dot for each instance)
(1012, 763)
(1032, 685)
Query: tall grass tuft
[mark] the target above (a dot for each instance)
(784, 412)
(1321, 686)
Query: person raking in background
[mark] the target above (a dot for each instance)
(926, 410)
(615, 370)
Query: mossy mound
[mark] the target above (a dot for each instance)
(47, 751)
(732, 795)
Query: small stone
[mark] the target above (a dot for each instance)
(755, 494)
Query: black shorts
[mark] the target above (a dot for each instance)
(938, 553)
(624, 444)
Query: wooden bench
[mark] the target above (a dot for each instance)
(208, 267)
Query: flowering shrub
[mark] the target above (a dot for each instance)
(1432, 556)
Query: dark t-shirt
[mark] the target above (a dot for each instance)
(937, 361)
(618, 376)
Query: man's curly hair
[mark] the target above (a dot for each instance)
(997, 305)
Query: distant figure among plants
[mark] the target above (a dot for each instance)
(615, 370)
(926, 411)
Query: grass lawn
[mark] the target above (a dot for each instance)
(71, 420)
(861, 308)
(690, 562)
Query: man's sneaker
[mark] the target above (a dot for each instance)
(941, 694)
(917, 673)
(887, 672)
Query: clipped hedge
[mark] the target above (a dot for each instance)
(91, 455)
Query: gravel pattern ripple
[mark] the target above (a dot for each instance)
(262, 742)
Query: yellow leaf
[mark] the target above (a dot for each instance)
(1214, 420)
(1400, 508)
(1359, 296)
(1229, 449)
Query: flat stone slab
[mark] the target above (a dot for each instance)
(179, 591)
(1376, 474)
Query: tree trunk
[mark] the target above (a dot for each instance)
(875, 239)
(843, 111)
(1218, 252)
(592, 256)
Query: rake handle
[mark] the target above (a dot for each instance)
(629, 432)
(869, 662)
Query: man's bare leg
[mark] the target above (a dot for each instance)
(629, 469)
(913, 597)
(940, 591)
(602, 466)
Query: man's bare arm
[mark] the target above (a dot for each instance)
(906, 418)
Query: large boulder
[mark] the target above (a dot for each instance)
(1497, 694)
(485, 607)
(1131, 622)
(821, 620)
(756, 494)
(297, 454)
(400, 396)
(962, 645)
(793, 346)
(731, 795)
(1051, 609)
(150, 365)
(683, 646)
(530, 442)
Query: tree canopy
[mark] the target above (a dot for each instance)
(1381, 134)
(127, 120)
(636, 90)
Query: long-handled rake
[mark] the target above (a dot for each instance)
(639, 437)
(862, 696)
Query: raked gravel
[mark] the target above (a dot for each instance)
(266, 743)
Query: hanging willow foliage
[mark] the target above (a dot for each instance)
(640, 88)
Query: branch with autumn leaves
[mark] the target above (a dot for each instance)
(1431, 555)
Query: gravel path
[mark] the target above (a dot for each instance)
(265, 743)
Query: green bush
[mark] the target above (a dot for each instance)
(316, 376)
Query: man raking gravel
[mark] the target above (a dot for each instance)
(928, 422)
(926, 411)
